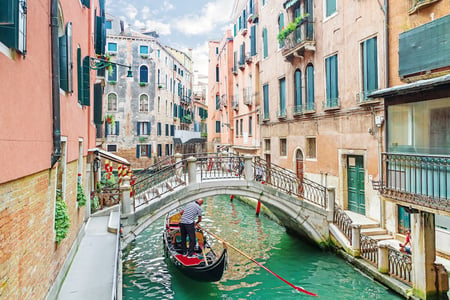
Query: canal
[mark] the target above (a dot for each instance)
(148, 275)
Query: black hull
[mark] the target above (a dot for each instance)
(206, 273)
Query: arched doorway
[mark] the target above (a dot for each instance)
(299, 168)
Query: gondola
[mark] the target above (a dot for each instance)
(205, 265)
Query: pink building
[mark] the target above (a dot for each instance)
(46, 129)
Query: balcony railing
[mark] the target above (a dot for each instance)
(235, 103)
(224, 100)
(300, 40)
(422, 180)
(247, 96)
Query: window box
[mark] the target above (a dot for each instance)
(143, 83)
(144, 56)
(113, 82)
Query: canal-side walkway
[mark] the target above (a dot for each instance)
(91, 273)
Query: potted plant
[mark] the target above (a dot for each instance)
(142, 83)
(110, 120)
(285, 31)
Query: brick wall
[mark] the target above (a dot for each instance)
(29, 257)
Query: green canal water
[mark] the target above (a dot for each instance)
(148, 275)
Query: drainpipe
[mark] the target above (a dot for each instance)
(55, 83)
(386, 36)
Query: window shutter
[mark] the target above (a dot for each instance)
(148, 128)
(253, 40)
(283, 96)
(106, 129)
(266, 100)
(117, 127)
(266, 46)
(86, 3)
(86, 81)
(242, 54)
(309, 86)
(80, 78)
(7, 12)
(334, 77)
(172, 130)
(100, 35)
(138, 128)
(13, 25)
(138, 151)
(149, 151)
(98, 94)
(298, 87)
(63, 72)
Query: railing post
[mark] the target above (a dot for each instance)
(192, 169)
(125, 190)
(248, 170)
(356, 236)
(330, 205)
(178, 158)
(383, 258)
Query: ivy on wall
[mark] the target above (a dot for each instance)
(62, 220)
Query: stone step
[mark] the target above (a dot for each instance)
(113, 222)
(382, 237)
(373, 231)
(369, 225)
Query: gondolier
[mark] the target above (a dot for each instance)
(187, 225)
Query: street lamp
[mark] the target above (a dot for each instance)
(96, 63)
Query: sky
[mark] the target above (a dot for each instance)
(181, 24)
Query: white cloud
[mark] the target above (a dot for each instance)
(200, 56)
(210, 16)
(131, 12)
(159, 27)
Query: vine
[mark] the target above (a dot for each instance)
(62, 220)
(81, 197)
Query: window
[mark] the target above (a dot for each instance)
(266, 101)
(143, 74)
(267, 145)
(159, 76)
(237, 128)
(242, 54)
(143, 151)
(65, 60)
(217, 126)
(143, 128)
(282, 87)
(234, 29)
(280, 27)
(283, 147)
(112, 128)
(112, 75)
(143, 50)
(217, 102)
(158, 129)
(369, 66)
(13, 24)
(330, 7)
(241, 129)
(298, 90)
(310, 88)
(311, 148)
(404, 220)
(167, 129)
(111, 148)
(108, 24)
(265, 44)
(143, 102)
(217, 50)
(159, 150)
(159, 53)
(217, 73)
(112, 48)
(332, 81)
(250, 126)
(172, 130)
(253, 40)
(112, 102)
(167, 150)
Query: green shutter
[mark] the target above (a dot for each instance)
(117, 127)
(370, 65)
(98, 94)
(100, 35)
(331, 7)
(266, 46)
(13, 24)
(266, 100)
(80, 77)
(7, 12)
(86, 81)
(106, 129)
(138, 128)
(86, 3)
(298, 87)
(310, 87)
(148, 128)
(138, 151)
(334, 79)
(283, 96)
(253, 40)
(280, 27)
(63, 64)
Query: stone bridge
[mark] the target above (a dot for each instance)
(301, 205)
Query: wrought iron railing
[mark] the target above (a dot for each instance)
(343, 222)
(304, 32)
(400, 265)
(220, 166)
(168, 160)
(163, 181)
(106, 196)
(369, 249)
(418, 179)
(288, 182)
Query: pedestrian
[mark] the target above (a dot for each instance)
(187, 225)
(404, 247)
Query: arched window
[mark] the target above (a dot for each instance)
(298, 90)
(143, 74)
(265, 45)
(310, 87)
(112, 102)
(143, 102)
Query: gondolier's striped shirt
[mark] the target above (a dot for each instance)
(191, 211)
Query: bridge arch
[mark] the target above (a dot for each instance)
(302, 217)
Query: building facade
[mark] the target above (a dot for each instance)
(47, 127)
(147, 110)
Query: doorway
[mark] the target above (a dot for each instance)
(355, 183)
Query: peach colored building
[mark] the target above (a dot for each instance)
(46, 129)
(220, 89)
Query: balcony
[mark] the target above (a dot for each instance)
(247, 96)
(234, 70)
(185, 100)
(331, 104)
(297, 110)
(235, 103)
(224, 100)
(422, 181)
(299, 41)
(248, 58)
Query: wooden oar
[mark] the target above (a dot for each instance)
(204, 254)
(259, 264)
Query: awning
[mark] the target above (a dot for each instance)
(289, 3)
(109, 155)
(410, 88)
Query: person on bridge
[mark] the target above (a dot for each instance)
(404, 247)
(187, 226)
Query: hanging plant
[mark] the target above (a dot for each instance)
(62, 220)
(81, 197)
(110, 120)
(285, 31)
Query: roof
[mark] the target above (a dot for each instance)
(109, 155)
(410, 88)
